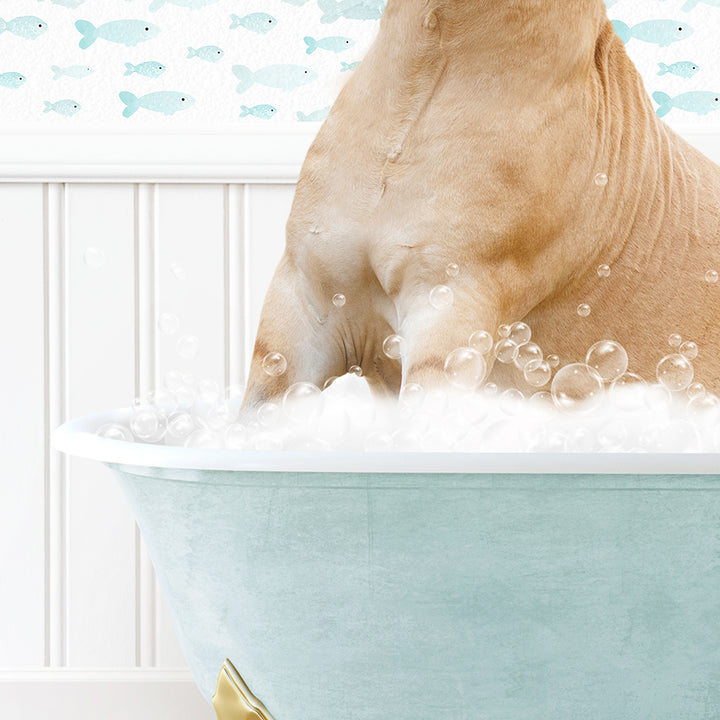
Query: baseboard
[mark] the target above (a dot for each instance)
(74, 694)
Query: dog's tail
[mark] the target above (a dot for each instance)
(663, 69)
(664, 101)
(623, 30)
(690, 5)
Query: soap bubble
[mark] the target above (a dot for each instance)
(674, 340)
(268, 414)
(180, 425)
(627, 390)
(378, 441)
(236, 436)
(675, 372)
(512, 402)
(465, 368)
(302, 402)
(612, 436)
(526, 353)
(233, 392)
(355, 370)
(583, 310)
(520, 333)
(94, 257)
(188, 346)
(164, 401)
(657, 398)
(338, 300)
(503, 331)
(711, 276)
(441, 296)
(689, 350)
(553, 360)
(220, 416)
(266, 441)
(329, 382)
(603, 271)
(703, 404)
(405, 440)
(147, 423)
(274, 364)
(577, 387)
(601, 179)
(608, 359)
(168, 324)
(452, 269)
(582, 440)
(694, 390)
(203, 403)
(490, 389)
(541, 400)
(537, 373)
(202, 438)
(114, 431)
(178, 270)
(394, 346)
(412, 396)
(506, 351)
(481, 341)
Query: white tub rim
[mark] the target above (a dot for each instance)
(78, 437)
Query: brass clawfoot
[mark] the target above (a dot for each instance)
(233, 700)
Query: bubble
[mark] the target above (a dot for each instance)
(185, 395)
(378, 441)
(114, 431)
(168, 324)
(503, 331)
(674, 340)
(541, 400)
(203, 403)
(490, 388)
(208, 386)
(583, 310)
(506, 351)
(435, 401)
(94, 257)
(302, 402)
(405, 440)
(601, 179)
(703, 404)
(163, 400)
(233, 392)
(603, 271)
(465, 368)
(675, 372)
(236, 436)
(329, 382)
(481, 341)
(147, 423)
(173, 380)
(694, 390)
(553, 360)
(612, 436)
(582, 440)
(711, 276)
(394, 346)
(187, 346)
(512, 402)
(355, 370)
(202, 438)
(452, 269)
(178, 270)
(689, 350)
(180, 425)
(627, 390)
(577, 387)
(412, 396)
(526, 353)
(274, 364)
(657, 397)
(537, 373)
(608, 359)
(520, 333)
(267, 442)
(220, 416)
(338, 300)
(441, 297)
(268, 414)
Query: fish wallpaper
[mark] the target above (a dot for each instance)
(224, 64)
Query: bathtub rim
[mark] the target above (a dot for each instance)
(77, 438)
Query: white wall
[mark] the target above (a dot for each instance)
(84, 625)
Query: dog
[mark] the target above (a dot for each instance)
(515, 139)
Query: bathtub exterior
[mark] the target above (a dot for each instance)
(361, 596)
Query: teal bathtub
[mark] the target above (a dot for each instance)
(436, 586)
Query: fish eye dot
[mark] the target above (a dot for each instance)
(147, 28)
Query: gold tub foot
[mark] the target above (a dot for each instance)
(233, 700)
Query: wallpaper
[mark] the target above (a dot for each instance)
(222, 64)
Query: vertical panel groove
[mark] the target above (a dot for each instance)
(246, 293)
(55, 333)
(145, 381)
(234, 285)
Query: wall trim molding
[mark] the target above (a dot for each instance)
(255, 155)
(95, 675)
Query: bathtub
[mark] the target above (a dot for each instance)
(430, 586)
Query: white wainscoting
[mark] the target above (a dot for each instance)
(84, 630)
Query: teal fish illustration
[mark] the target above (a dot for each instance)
(264, 112)
(351, 9)
(315, 116)
(150, 68)
(283, 77)
(259, 22)
(125, 32)
(350, 66)
(27, 26)
(209, 53)
(73, 71)
(190, 4)
(295, 2)
(335, 44)
(685, 69)
(63, 107)
(699, 102)
(165, 102)
(659, 32)
(11, 80)
(69, 3)
(692, 4)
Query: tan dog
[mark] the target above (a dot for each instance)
(472, 133)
